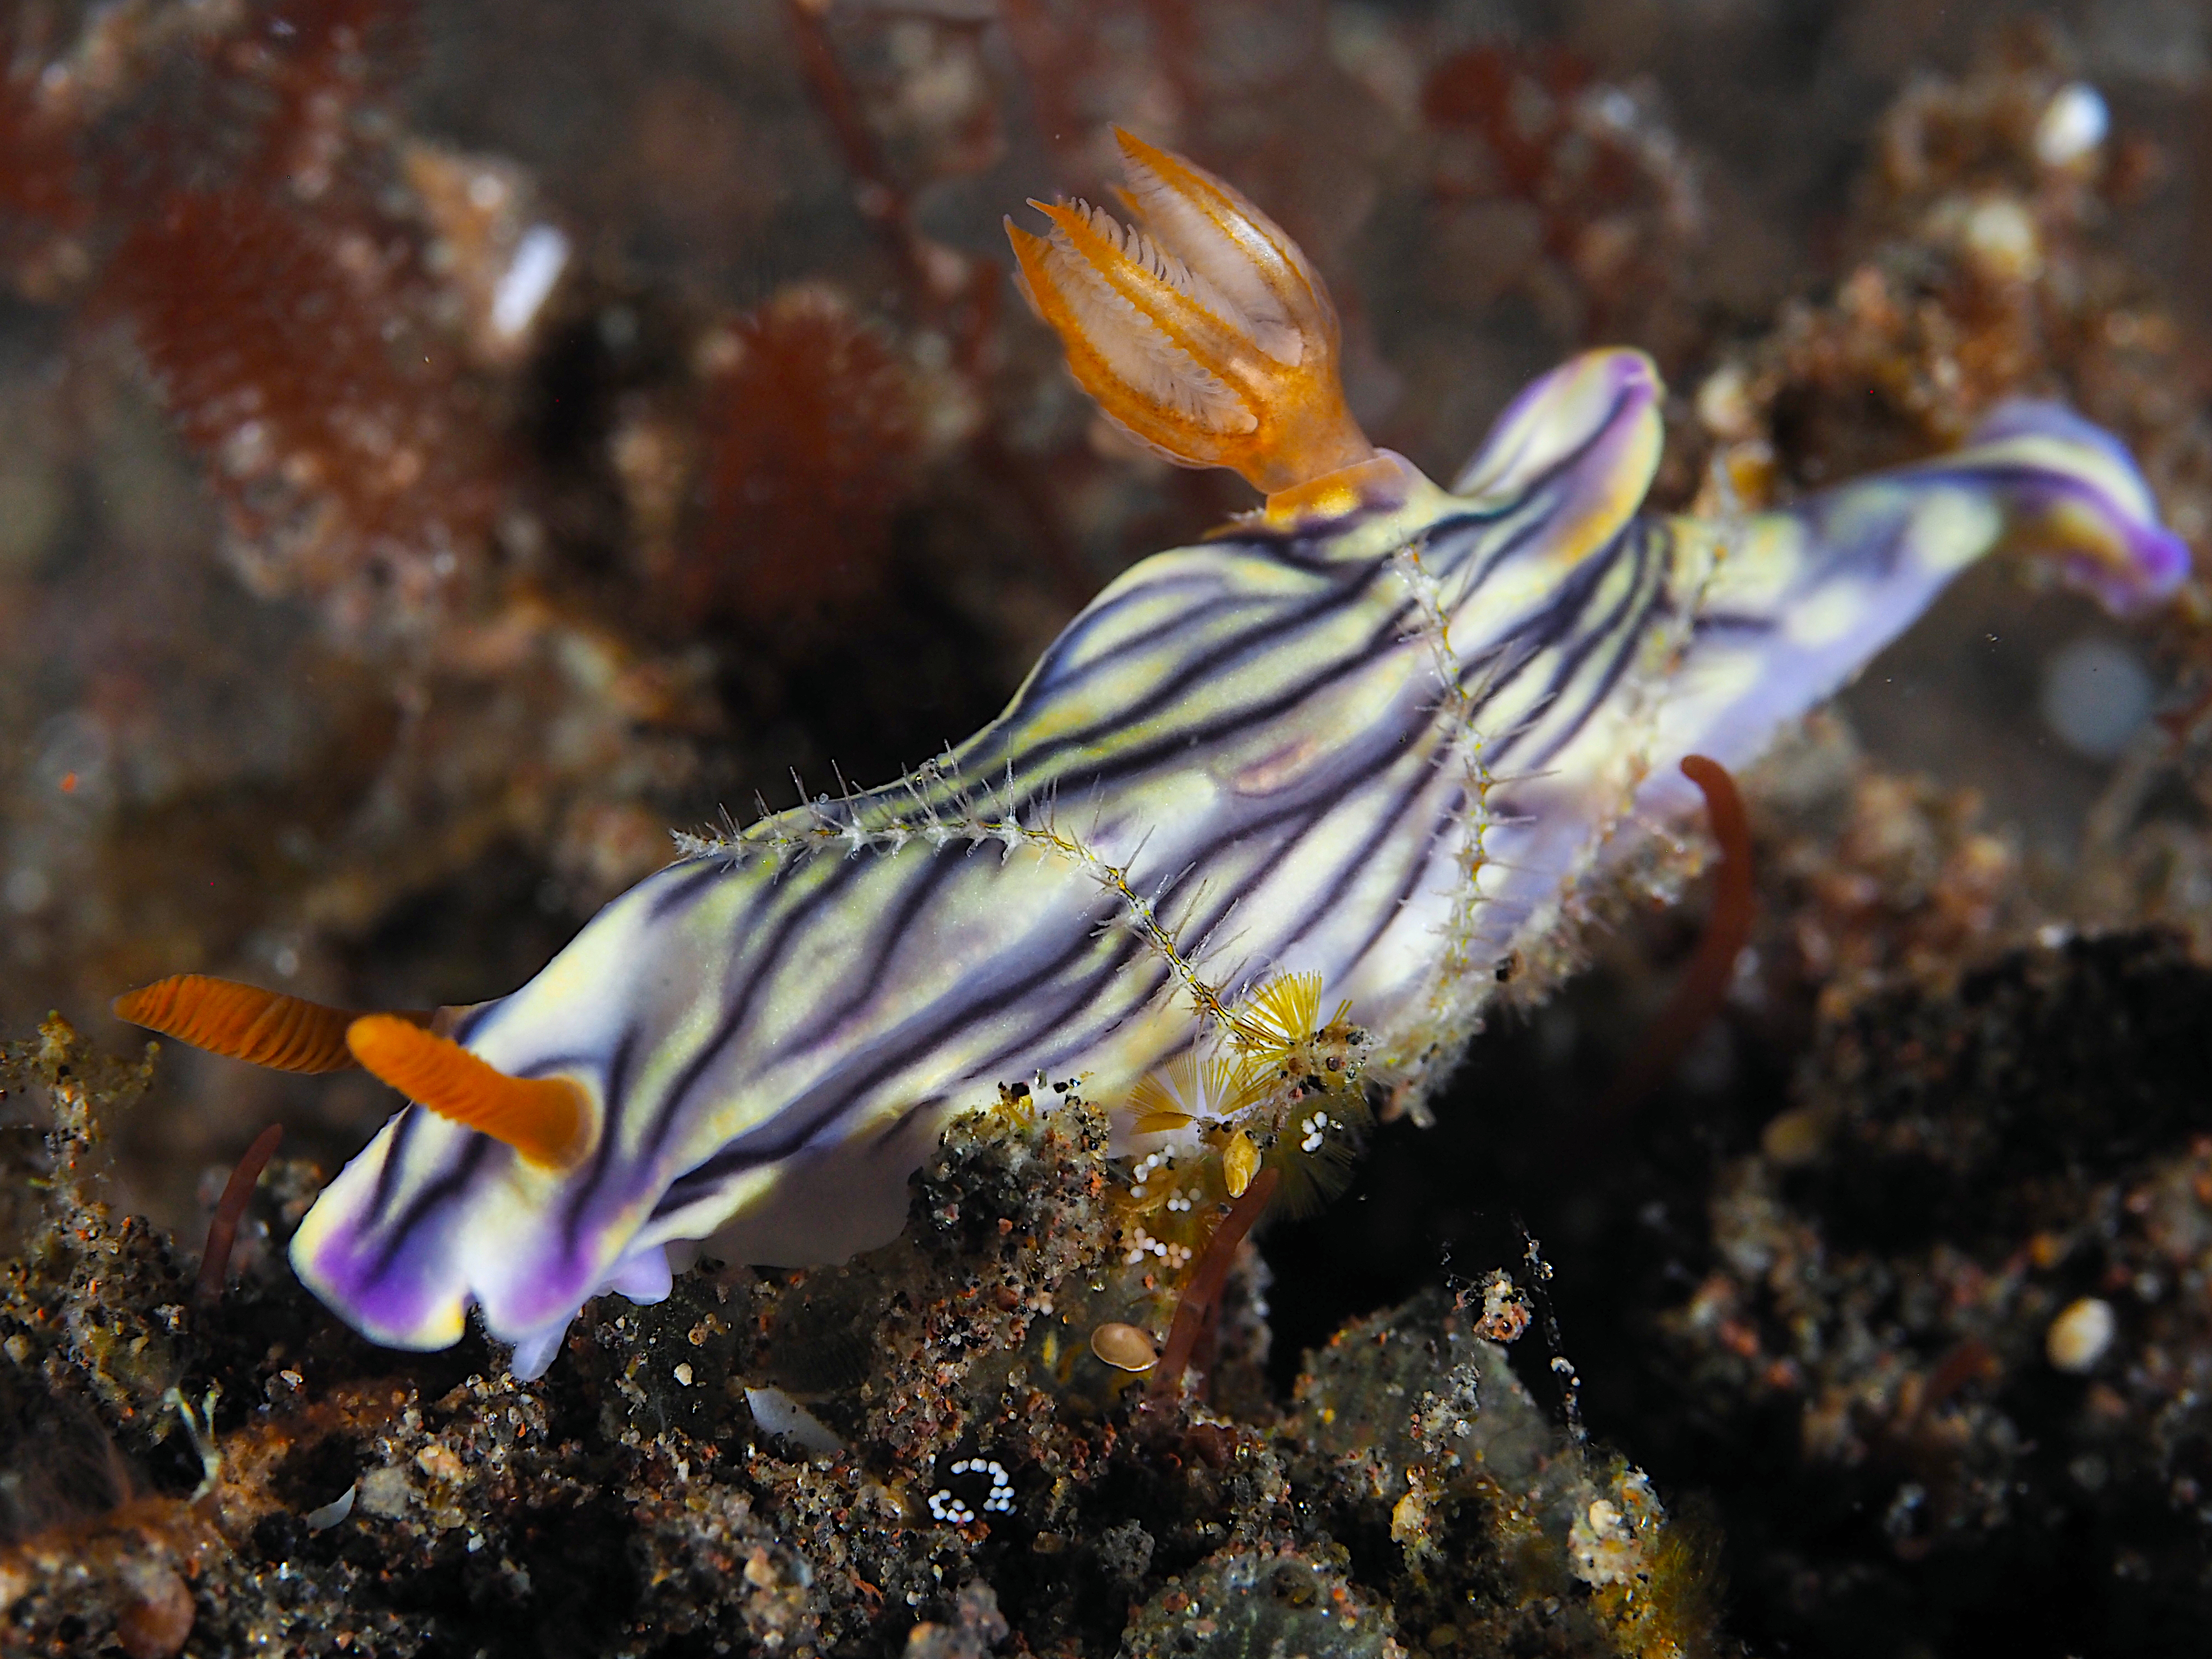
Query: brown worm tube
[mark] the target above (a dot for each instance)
(229, 1210)
(1703, 985)
(1205, 1286)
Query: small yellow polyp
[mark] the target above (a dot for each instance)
(1240, 1162)
(546, 1120)
(1200, 330)
(1157, 1123)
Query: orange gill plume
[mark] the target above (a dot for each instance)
(1200, 330)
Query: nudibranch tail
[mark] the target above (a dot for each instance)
(546, 1119)
(244, 1022)
(1793, 602)
(1200, 330)
(2078, 495)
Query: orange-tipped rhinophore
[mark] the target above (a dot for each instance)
(546, 1119)
(244, 1022)
(1202, 330)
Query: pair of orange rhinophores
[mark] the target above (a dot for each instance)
(544, 1119)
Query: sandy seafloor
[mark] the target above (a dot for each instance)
(369, 609)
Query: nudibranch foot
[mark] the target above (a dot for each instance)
(1351, 754)
(643, 1278)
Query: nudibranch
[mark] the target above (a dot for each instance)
(1351, 752)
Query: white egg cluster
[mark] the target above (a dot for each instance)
(1143, 1244)
(1143, 1172)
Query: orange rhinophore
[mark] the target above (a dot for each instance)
(546, 1119)
(284, 1033)
(1200, 330)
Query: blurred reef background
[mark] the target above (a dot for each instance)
(444, 446)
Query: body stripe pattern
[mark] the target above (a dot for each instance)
(1390, 748)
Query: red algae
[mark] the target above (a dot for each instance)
(810, 431)
(1698, 996)
(1616, 211)
(295, 357)
(1207, 1275)
(42, 204)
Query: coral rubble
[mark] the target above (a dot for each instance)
(919, 1446)
(1957, 1292)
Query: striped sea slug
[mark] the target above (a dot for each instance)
(1350, 752)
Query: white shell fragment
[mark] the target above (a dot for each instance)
(785, 1418)
(323, 1519)
(385, 1492)
(1124, 1348)
(2073, 123)
(540, 258)
(2079, 1335)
